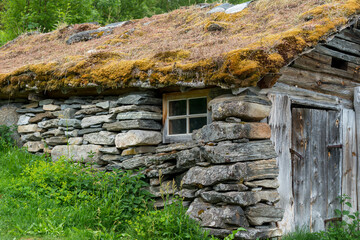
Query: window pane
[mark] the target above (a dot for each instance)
(196, 123)
(177, 108)
(198, 105)
(177, 126)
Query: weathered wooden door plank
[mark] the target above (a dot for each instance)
(300, 167)
(333, 162)
(357, 123)
(316, 159)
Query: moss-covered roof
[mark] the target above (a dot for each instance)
(175, 48)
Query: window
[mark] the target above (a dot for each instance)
(184, 113)
(339, 63)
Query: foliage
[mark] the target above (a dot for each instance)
(171, 223)
(61, 199)
(6, 133)
(17, 17)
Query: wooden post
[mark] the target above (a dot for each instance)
(349, 161)
(280, 123)
(357, 122)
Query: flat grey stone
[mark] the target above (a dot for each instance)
(53, 132)
(239, 152)
(227, 187)
(241, 198)
(36, 136)
(139, 99)
(237, 8)
(65, 114)
(266, 183)
(88, 111)
(30, 110)
(53, 141)
(176, 146)
(23, 120)
(100, 138)
(46, 102)
(77, 153)
(247, 171)
(109, 150)
(70, 123)
(249, 234)
(139, 115)
(89, 35)
(111, 157)
(133, 124)
(73, 106)
(217, 216)
(222, 131)
(93, 120)
(136, 108)
(73, 133)
(88, 130)
(262, 213)
(28, 128)
(216, 9)
(188, 158)
(53, 123)
(34, 147)
(137, 138)
(75, 141)
(103, 105)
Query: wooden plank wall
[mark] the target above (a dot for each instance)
(313, 70)
(280, 122)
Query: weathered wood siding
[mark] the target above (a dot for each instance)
(314, 70)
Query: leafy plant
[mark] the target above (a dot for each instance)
(6, 136)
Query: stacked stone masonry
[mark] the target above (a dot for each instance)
(227, 175)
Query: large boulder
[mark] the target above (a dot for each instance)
(137, 138)
(220, 131)
(78, 153)
(246, 107)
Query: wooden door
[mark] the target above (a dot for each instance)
(316, 166)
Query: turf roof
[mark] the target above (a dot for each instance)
(175, 48)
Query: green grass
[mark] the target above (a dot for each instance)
(59, 200)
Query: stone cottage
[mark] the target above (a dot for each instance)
(249, 112)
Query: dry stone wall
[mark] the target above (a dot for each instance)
(227, 175)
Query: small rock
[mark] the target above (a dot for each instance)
(139, 99)
(54, 132)
(103, 105)
(56, 141)
(53, 123)
(138, 150)
(40, 116)
(65, 114)
(101, 138)
(23, 120)
(74, 123)
(46, 102)
(110, 150)
(34, 146)
(88, 130)
(89, 121)
(88, 111)
(75, 140)
(227, 187)
(111, 157)
(73, 106)
(28, 128)
(214, 27)
(36, 136)
(51, 107)
(262, 213)
(266, 183)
